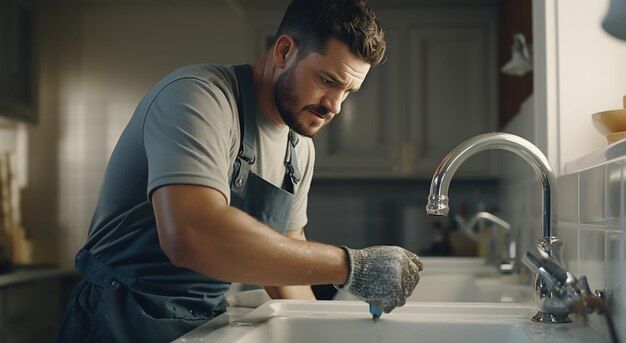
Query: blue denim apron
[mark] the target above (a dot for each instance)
(138, 295)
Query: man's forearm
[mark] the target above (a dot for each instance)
(290, 292)
(226, 243)
(244, 250)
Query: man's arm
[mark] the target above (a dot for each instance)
(292, 292)
(198, 230)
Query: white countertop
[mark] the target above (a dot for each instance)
(32, 274)
(350, 320)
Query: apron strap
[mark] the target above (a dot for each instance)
(99, 273)
(290, 158)
(246, 104)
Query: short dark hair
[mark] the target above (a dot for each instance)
(312, 22)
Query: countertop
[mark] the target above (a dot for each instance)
(242, 325)
(20, 275)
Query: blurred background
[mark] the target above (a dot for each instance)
(440, 85)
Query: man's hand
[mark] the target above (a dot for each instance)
(383, 275)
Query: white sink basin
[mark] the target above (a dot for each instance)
(460, 265)
(350, 321)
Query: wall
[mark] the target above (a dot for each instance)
(592, 75)
(579, 70)
(97, 60)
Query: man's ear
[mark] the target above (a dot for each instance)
(285, 49)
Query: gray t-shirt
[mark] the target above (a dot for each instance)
(186, 131)
(199, 109)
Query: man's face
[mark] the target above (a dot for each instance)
(309, 92)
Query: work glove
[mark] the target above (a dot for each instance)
(383, 276)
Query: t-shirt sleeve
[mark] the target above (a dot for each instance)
(306, 162)
(187, 136)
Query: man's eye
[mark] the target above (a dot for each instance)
(327, 82)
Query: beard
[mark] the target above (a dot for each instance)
(287, 104)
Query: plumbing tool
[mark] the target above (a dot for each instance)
(376, 312)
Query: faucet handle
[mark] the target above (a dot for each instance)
(547, 266)
(584, 286)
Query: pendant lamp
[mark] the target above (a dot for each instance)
(615, 21)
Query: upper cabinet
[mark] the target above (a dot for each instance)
(18, 86)
(436, 88)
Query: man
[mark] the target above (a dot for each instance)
(208, 185)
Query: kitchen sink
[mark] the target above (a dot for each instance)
(457, 300)
(282, 321)
(449, 279)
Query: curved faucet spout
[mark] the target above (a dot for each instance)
(438, 197)
(548, 242)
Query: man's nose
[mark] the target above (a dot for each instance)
(332, 101)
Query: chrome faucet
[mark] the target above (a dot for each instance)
(572, 295)
(548, 240)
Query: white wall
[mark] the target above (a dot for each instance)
(580, 70)
(97, 59)
(592, 74)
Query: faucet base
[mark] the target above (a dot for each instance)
(543, 317)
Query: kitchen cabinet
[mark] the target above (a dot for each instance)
(31, 303)
(436, 88)
(18, 76)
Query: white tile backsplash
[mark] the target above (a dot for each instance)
(570, 233)
(567, 198)
(614, 258)
(594, 237)
(591, 255)
(591, 202)
(591, 213)
(614, 192)
(619, 295)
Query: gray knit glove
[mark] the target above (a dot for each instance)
(382, 275)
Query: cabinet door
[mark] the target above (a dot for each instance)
(363, 139)
(449, 93)
(30, 311)
(436, 89)
(18, 88)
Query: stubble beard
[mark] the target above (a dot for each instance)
(286, 101)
